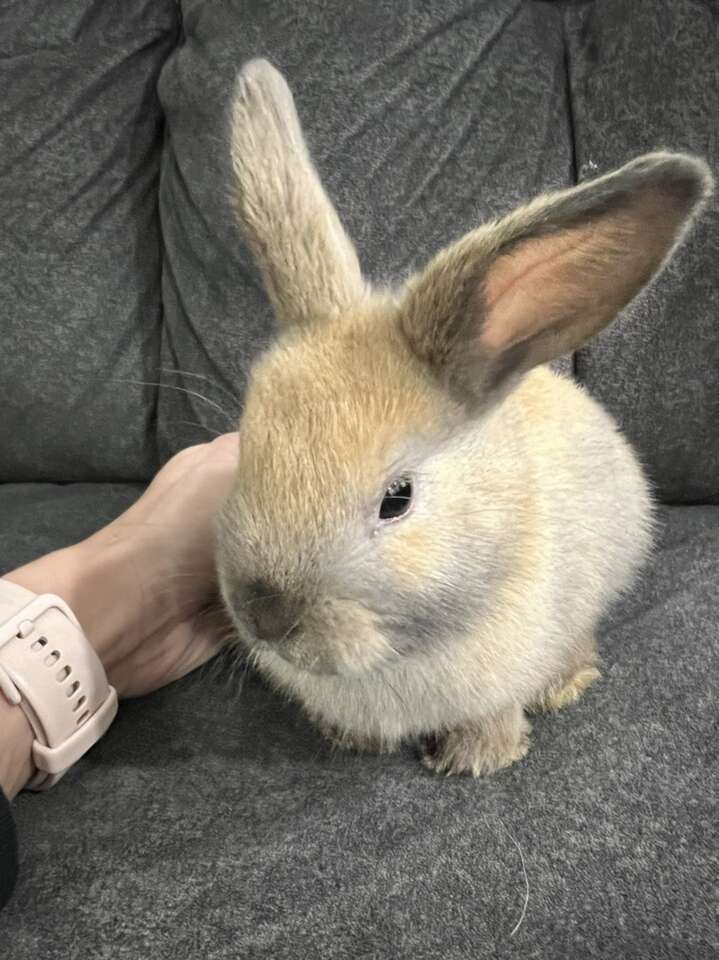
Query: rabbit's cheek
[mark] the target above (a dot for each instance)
(419, 622)
(341, 639)
(423, 627)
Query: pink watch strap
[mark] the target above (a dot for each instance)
(49, 669)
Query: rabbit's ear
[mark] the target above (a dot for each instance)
(548, 277)
(308, 263)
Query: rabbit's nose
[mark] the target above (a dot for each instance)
(273, 614)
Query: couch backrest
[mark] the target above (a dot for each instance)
(422, 122)
(80, 144)
(644, 76)
(416, 124)
(423, 125)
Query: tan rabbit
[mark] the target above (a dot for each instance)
(427, 524)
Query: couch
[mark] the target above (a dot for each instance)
(212, 821)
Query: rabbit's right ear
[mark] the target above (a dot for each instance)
(541, 282)
(308, 263)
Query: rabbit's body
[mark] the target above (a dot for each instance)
(427, 523)
(583, 530)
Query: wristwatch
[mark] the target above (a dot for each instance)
(49, 669)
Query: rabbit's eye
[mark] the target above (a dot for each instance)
(397, 499)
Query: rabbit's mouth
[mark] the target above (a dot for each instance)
(341, 638)
(302, 656)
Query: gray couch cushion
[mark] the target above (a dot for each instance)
(213, 822)
(422, 121)
(644, 76)
(80, 139)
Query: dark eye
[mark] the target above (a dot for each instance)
(397, 499)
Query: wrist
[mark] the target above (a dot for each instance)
(99, 580)
(62, 572)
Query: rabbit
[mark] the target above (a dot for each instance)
(427, 522)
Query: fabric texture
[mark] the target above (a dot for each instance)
(212, 821)
(38, 518)
(643, 80)
(423, 120)
(8, 850)
(80, 143)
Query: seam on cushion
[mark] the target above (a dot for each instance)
(572, 135)
(160, 458)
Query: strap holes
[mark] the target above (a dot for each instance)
(79, 704)
(52, 658)
(73, 688)
(63, 674)
(84, 716)
(39, 643)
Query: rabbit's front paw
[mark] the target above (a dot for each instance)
(482, 748)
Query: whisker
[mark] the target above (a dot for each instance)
(286, 634)
(269, 596)
(243, 676)
(170, 386)
(201, 376)
(526, 878)
(196, 423)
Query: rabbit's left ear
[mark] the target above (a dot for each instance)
(308, 263)
(539, 283)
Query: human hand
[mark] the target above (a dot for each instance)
(137, 585)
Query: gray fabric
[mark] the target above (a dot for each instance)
(213, 822)
(423, 119)
(646, 76)
(37, 518)
(80, 139)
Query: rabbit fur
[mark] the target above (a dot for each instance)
(530, 512)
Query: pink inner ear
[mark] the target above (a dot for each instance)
(523, 289)
(551, 292)
(547, 278)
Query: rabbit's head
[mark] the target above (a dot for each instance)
(372, 511)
